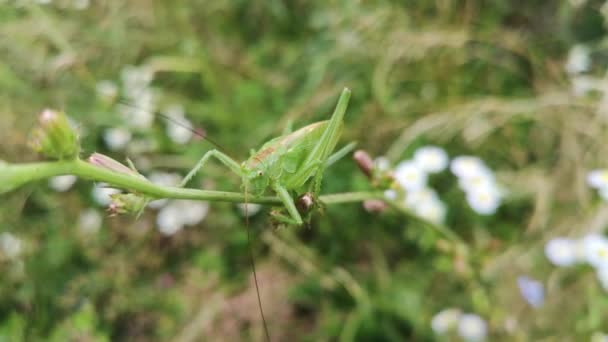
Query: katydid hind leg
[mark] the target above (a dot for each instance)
(222, 157)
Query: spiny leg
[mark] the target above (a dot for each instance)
(340, 154)
(294, 215)
(223, 158)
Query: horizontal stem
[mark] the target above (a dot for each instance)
(15, 175)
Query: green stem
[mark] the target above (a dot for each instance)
(13, 176)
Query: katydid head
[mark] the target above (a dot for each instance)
(255, 181)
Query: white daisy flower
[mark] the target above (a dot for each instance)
(579, 60)
(596, 250)
(410, 176)
(431, 159)
(445, 320)
(390, 194)
(480, 180)
(598, 179)
(180, 130)
(90, 221)
(249, 209)
(62, 183)
(420, 196)
(471, 327)
(116, 138)
(101, 194)
(484, 200)
(468, 166)
(561, 251)
(382, 164)
(10, 245)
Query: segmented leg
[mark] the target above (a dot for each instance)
(289, 204)
(223, 158)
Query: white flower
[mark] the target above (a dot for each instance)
(483, 179)
(410, 176)
(532, 290)
(193, 212)
(10, 245)
(433, 211)
(582, 85)
(390, 194)
(602, 276)
(135, 80)
(419, 196)
(484, 200)
(249, 209)
(431, 159)
(472, 328)
(178, 213)
(101, 194)
(445, 320)
(62, 183)
(116, 138)
(169, 220)
(598, 179)
(90, 221)
(468, 166)
(106, 89)
(179, 130)
(596, 250)
(382, 164)
(579, 60)
(561, 251)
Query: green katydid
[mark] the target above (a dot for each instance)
(291, 163)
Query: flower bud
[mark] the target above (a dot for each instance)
(54, 136)
(365, 162)
(374, 206)
(305, 202)
(103, 161)
(126, 204)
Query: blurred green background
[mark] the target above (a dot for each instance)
(483, 78)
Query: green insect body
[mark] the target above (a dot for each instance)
(289, 164)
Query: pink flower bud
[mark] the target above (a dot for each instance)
(106, 162)
(374, 206)
(365, 162)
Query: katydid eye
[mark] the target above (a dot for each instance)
(260, 173)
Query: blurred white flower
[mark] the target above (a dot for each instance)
(382, 164)
(135, 80)
(106, 89)
(468, 167)
(419, 196)
(431, 159)
(390, 194)
(10, 245)
(180, 130)
(101, 194)
(90, 221)
(484, 179)
(179, 213)
(598, 179)
(116, 138)
(62, 183)
(582, 85)
(561, 251)
(410, 176)
(484, 200)
(596, 250)
(433, 211)
(445, 320)
(579, 60)
(532, 291)
(169, 220)
(471, 327)
(249, 209)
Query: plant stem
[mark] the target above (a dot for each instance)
(15, 175)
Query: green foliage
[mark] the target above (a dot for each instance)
(475, 77)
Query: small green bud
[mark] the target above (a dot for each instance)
(54, 136)
(126, 204)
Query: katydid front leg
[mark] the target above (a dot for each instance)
(222, 157)
(289, 205)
